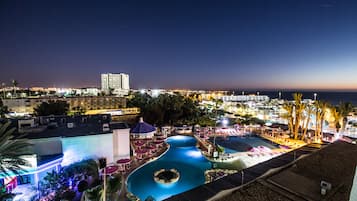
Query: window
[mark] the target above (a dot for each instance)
(25, 179)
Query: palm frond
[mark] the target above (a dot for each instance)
(11, 150)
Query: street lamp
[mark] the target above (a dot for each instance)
(105, 185)
(224, 122)
(315, 95)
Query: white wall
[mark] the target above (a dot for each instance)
(85, 147)
(121, 143)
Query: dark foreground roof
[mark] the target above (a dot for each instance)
(69, 126)
(336, 164)
(78, 130)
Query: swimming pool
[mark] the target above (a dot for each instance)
(233, 144)
(182, 156)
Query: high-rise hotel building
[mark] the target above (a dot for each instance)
(117, 84)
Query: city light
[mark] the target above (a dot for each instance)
(225, 122)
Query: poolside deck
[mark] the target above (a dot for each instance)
(284, 141)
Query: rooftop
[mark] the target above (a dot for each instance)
(69, 126)
(142, 127)
(335, 164)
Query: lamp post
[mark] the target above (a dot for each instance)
(214, 137)
(105, 185)
(3, 88)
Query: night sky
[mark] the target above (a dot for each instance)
(181, 44)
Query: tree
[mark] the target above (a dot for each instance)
(113, 185)
(57, 183)
(52, 108)
(337, 118)
(14, 85)
(299, 107)
(167, 109)
(3, 109)
(320, 109)
(11, 150)
(53, 182)
(345, 109)
(289, 108)
(307, 118)
(295, 115)
(82, 168)
(93, 194)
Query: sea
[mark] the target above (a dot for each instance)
(334, 98)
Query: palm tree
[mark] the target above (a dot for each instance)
(299, 107)
(345, 109)
(113, 185)
(14, 85)
(289, 108)
(11, 149)
(337, 118)
(320, 107)
(93, 194)
(10, 161)
(309, 110)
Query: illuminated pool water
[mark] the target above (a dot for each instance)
(182, 156)
(233, 144)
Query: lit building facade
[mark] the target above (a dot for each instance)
(245, 98)
(86, 103)
(71, 139)
(118, 83)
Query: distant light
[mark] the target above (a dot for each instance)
(142, 91)
(155, 92)
(225, 122)
(337, 136)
